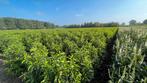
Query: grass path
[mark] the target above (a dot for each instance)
(5, 78)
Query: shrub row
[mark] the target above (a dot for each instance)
(55, 56)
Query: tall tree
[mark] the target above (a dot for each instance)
(145, 21)
(132, 22)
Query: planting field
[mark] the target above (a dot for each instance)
(55, 56)
(86, 55)
(129, 63)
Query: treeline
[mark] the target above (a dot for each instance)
(17, 23)
(111, 24)
(92, 24)
(134, 22)
(7, 23)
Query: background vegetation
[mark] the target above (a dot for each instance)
(16, 23)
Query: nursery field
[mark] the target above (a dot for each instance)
(86, 55)
(129, 63)
(55, 56)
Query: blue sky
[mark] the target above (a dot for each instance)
(75, 11)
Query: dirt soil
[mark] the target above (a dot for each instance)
(4, 78)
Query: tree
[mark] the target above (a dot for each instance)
(92, 24)
(145, 21)
(132, 22)
(16, 23)
(123, 24)
(2, 24)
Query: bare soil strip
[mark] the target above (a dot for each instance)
(101, 74)
(4, 78)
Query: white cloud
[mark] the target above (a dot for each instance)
(40, 13)
(78, 15)
(6, 2)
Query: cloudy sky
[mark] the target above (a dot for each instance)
(75, 11)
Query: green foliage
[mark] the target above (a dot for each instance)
(92, 24)
(132, 22)
(15, 23)
(145, 21)
(55, 56)
(129, 62)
